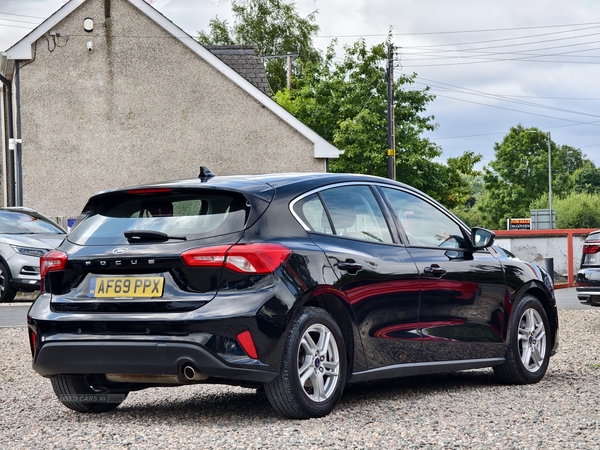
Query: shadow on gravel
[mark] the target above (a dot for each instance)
(200, 406)
(234, 406)
(420, 386)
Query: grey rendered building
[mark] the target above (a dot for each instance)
(107, 93)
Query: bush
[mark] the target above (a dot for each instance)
(577, 210)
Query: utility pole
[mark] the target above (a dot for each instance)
(550, 180)
(289, 56)
(289, 71)
(391, 159)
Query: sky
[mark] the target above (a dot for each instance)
(492, 64)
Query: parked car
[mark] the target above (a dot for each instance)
(25, 236)
(588, 276)
(293, 283)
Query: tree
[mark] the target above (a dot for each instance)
(346, 103)
(519, 174)
(587, 179)
(274, 27)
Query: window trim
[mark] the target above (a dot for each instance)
(387, 216)
(434, 204)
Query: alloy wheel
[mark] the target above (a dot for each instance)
(532, 340)
(318, 363)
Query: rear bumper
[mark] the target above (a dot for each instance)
(140, 358)
(162, 343)
(589, 295)
(588, 286)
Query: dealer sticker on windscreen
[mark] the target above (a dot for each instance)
(112, 287)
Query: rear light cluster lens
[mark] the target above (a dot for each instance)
(52, 261)
(259, 259)
(590, 249)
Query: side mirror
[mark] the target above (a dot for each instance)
(482, 238)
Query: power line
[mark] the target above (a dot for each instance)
(22, 15)
(430, 33)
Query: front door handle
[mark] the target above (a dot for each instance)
(435, 270)
(350, 266)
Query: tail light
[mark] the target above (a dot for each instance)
(590, 249)
(52, 261)
(259, 259)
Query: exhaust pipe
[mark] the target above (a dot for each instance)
(192, 375)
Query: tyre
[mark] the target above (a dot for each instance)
(7, 292)
(528, 350)
(313, 367)
(76, 393)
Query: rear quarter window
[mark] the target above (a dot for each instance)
(345, 211)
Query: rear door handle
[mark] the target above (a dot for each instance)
(350, 266)
(435, 270)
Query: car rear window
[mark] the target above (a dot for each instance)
(192, 215)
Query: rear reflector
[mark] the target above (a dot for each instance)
(257, 259)
(247, 343)
(32, 342)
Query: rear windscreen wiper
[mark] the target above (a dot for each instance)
(150, 235)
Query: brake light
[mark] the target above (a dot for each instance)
(591, 249)
(149, 191)
(52, 261)
(257, 259)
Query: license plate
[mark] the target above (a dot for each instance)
(126, 287)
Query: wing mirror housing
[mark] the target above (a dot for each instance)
(482, 238)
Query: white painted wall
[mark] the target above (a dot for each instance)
(536, 248)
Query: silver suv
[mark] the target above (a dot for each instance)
(25, 236)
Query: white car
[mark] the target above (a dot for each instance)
(25, 236)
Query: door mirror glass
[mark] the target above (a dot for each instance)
(482, 238)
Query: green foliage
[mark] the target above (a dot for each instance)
(469, 211)
(218, 33)
(587, 179)
(274, 27)
(519, 174)
(576, 210)
(470, 216)
(346, 103)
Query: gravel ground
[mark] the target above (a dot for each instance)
(451, 411)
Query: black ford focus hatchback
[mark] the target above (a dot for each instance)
(293, 283)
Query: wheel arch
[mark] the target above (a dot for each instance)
(339, 310)
(6, 266)
(549, 307)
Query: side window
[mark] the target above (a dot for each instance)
(424, 224)
(312, 213)
(355, 213)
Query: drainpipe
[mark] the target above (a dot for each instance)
(11, 163)
(19, 148)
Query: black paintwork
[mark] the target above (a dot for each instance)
(396, 319)
(588, 276)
